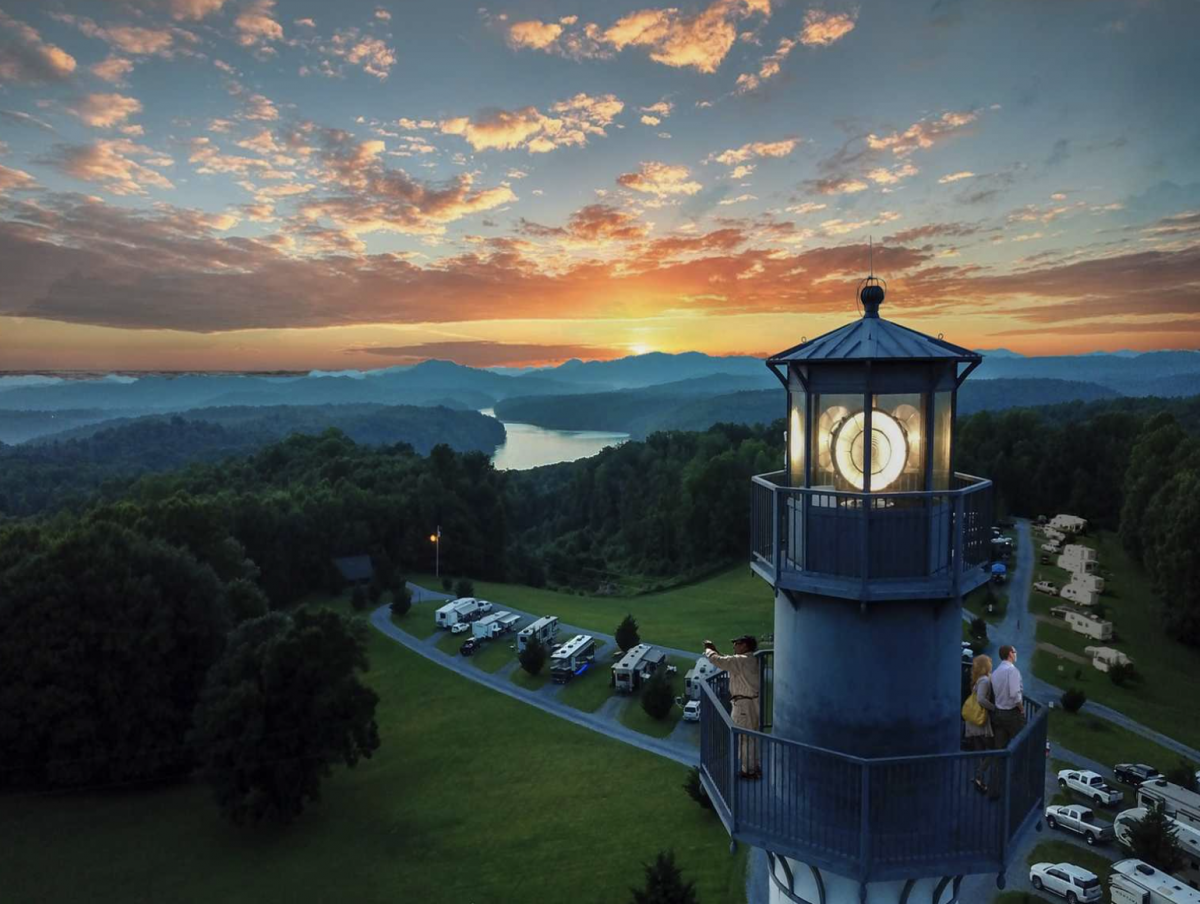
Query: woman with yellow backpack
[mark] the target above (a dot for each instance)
(977, 720)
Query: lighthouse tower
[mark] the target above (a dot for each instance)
(870, 539)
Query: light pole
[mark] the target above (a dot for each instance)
(436, 540)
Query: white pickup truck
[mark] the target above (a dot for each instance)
(1046, 587)
(1078, 819)
(1091, 785)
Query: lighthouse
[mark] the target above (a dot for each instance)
(869, 538)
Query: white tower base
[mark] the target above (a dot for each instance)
(793, 882)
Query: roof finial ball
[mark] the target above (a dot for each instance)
(870, 292)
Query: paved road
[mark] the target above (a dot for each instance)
(1019, 628)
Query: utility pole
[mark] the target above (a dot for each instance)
(436, 540)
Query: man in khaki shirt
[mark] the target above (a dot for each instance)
(743, 671)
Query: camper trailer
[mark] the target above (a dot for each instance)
(1070, 524)
(465, 609)
(486, 628)
(1104, 658)
(696, 675)
(1188, 838)
(1089, 581)
(573, 658)
(1051, 547)
(543, 630)
(1135, 882)
(1089, 625)
(1077, 558)
(1178, 802)
(1079, 594)
(508, 621)
(636, 667)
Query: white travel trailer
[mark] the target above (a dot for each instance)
(1135, 882)
(1089, 581)
(1178, 802)
(465, 609)
(508, 621)
(573, 658)
(1051, 547)
(1077, 558)
(1188, 838)
(1104, 658)
(487, 627)
(544, 630)
(1089, 625)
(1077, 593)
(696, 675)
(1071, 524)
(636, 667)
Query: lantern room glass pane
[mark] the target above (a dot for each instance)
(795, 435)
(835, 415)
(942, 432)
(899, 449)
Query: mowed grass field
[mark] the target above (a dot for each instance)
(1166, 700)
(473, 797)
(730, 603)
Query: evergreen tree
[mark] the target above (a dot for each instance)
(1073, 699)
(658, 696)
(282, 705)
(695, 789)
(664, 883)
(464, 587)
(533, 657)
(627, 633)
(401, 596)
(1184, 775)
(358, 598)
(1155, 839)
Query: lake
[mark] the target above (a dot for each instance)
(528, 446)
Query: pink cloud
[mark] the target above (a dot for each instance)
(25, 57)
(103, 111)
(111, 162)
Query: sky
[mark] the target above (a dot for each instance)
(269, 184)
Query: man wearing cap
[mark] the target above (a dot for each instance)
(742, 667)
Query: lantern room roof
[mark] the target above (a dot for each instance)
(872, 338)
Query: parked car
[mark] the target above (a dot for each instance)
(471, 646)
(1134, 773)
(1078, 819)
(460, 627)
(1046, 587)
(691, 711)
(1067, 880)
(1091, 785)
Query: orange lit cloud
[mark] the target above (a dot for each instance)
(25, 57)
(111, 162)
(570, 123)
(15, 179)
(660, 179)
(483, 353)
(822, 29)
(923, 134)
(534, 34)
(595, 224)
(756, 149)
(103, 111)
(256, 24)
(113, 70)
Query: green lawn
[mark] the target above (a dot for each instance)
(450, 643)
(1101, 740)
(1166, 666)
(418, 624)
(495, 654)
(522, 678)
(633, 716)
(730, 603)
(589, 691)
(468, 790)
(1064, 852)
(1019, 897)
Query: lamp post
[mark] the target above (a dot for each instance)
(436, 540)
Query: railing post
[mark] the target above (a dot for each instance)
(775, 532)
(864, 827)
(959, 529)
(733, 788)
(1007, 828)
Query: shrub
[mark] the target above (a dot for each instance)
(664, 883)
(1079, 674)
(401, 597)
(1072, 699)
(533, 657)
(657, 695)
(979, 628)
(695, 789)
(447, 584)
(464, 587)
(1123, 673)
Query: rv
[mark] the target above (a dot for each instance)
(1071, 524)
(636, 667)
(508, 621)
(543, 631)
(460, 610)
(697, 675)
(486, 628)
(1178, 803)
(1089, 625)
(1077, 558)
(1135, 882)
(1077, 593)
(1104, 658)
(1188, 837)
(573, 658)
(1051, 547)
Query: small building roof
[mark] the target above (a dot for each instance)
(354, 568)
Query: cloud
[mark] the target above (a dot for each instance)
(662, 109)
(194, 10)
(259, 109)
(884, 176)
(103, 111)
(113, 70)
(11, 179)
(806, 207)
(931, 230)
(110, 162)
(955, 177)
(754, 149)
(26, 58)
(595, 224)
(837, 185)
(209, 160)
(660, 180)
(670, 37)
(725, 202)
(570, 123)
(383, 15)
(533, 34)
(822, 29)
(923, 134)
(25, 119)
(486, 353)
(256, 24)
(132, 39)
(372, 54)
